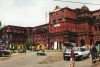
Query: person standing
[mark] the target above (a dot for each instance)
(72, 57)
(94, 53)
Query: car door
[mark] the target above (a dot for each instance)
(83, 52)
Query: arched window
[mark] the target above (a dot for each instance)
(94, 17)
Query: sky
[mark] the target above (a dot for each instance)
(30, 13)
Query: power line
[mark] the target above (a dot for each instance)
(76, 2)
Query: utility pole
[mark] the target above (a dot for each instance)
(46, 17)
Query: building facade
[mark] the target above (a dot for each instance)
(80, 26)
(41, 34)
(14, 34)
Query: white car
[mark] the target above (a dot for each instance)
(80, 53)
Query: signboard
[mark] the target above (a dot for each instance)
(56, 25)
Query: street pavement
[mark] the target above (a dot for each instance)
(30, 59)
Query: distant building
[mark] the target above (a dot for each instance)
(14, 34)
(41, 34)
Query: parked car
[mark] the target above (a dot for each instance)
(80, 53)
(4, 51)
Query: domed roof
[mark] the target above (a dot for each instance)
(84, 8)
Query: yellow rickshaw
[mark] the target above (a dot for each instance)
(21, 48)
(41, 49)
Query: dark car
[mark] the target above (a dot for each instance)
(4, 52)
(41, 52)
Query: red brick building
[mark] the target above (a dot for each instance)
(80, 26)
(30, 33)
(40, 34)
(20, 35)
(14, 34)
(96, 26)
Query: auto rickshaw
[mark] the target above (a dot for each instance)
(21, 49)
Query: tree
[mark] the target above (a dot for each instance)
(29, 43)
(1, 27)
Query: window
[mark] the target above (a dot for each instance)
(57, 21)
(54, 21)
(94, 17)
(95, 28)
(99, 16)
(50, 21)
(63, 18)
(99, 27)
(56, 17)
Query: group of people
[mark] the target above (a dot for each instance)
(95, 52)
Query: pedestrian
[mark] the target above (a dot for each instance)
(72, 57)
(94, 53)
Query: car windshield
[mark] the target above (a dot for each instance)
(77, 49)
(68, 50)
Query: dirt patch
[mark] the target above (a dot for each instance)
(4, 58)
(52, 58)
(96, 64)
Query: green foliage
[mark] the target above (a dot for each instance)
(1, 27)
(29, 43)
(0, 24)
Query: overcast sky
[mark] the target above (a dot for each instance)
(30, 13)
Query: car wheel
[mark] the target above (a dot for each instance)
(64, 57)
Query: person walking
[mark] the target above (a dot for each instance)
(72, 57)
(94, 53)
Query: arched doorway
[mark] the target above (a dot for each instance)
(60, 45)
(82, 42)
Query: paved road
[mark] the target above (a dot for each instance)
(30, 59)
